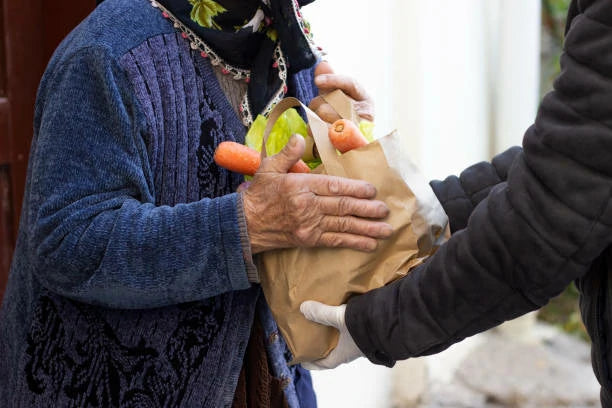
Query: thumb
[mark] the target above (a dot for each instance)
(323, 314)
(286, 158)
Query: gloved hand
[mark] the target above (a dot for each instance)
(346, 350)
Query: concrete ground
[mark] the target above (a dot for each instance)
(535, 366)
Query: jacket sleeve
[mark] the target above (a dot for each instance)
(531, 236)
(95, 232)
(460, 195)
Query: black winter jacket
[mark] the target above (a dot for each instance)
(525, 226)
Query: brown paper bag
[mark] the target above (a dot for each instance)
(332, 276)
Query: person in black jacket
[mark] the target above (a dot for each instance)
(524, 227)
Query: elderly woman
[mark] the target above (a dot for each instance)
(132, 282)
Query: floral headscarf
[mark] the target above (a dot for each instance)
(259, 41)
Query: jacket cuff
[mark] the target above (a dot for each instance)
(356, 309)
(606, 397)
(251, 269)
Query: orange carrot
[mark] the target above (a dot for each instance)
(345, 135)
(242, 159)
(237, 157)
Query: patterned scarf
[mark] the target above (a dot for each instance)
(266, 38)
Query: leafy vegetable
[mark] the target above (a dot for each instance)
(367, 130)
(289, 123)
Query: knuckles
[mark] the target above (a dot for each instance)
(300, 205)
(304, 235)
(333, 185)
(336, 241)
(344, 224)
(266, 163)
(344, 206)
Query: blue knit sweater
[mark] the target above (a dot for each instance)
(128, 285)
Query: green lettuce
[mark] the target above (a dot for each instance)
(289, 123)
(367, 128)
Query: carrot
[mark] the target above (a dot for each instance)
(242, 159)
(345, 135)
(237, 157)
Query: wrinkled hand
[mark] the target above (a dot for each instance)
(327, 81)
(346, 350)
(308, 210)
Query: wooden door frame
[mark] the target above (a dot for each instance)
(31, 29)
(22, 23)
(25, 60)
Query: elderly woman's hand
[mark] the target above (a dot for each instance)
(327, 81)
(306, 210)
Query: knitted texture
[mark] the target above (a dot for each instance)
(128, 285)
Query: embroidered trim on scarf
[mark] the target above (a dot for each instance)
(280, 63)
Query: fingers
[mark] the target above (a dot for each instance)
(342, 206)
(327, 82)
(357, 226)
(342, 354)
(323, 314)
(327, 113)
(316, 103)
(243, 187)
(338, 186)
(365, 110)
(327, 363)
(286, 158)
(323, 67)
(346, 350)
(311, 366)
(348, 241)
(323, 110)
(330, 82)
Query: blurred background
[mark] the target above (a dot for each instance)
(461, 81)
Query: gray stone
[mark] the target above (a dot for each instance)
(554, 373)
(452, 395)
(409, 383)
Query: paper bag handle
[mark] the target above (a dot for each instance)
(319, 130)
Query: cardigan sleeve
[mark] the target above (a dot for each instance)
(531, 236)
(97, 235)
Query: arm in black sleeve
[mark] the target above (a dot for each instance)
(460, 195)
(531, 236)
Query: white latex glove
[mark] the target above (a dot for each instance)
(346, 350)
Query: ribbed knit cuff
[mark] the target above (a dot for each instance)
(355, 315)
(251, 269)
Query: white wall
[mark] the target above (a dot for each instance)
(447, 101)
(357, 36)
(517, 71)
(458, 78)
